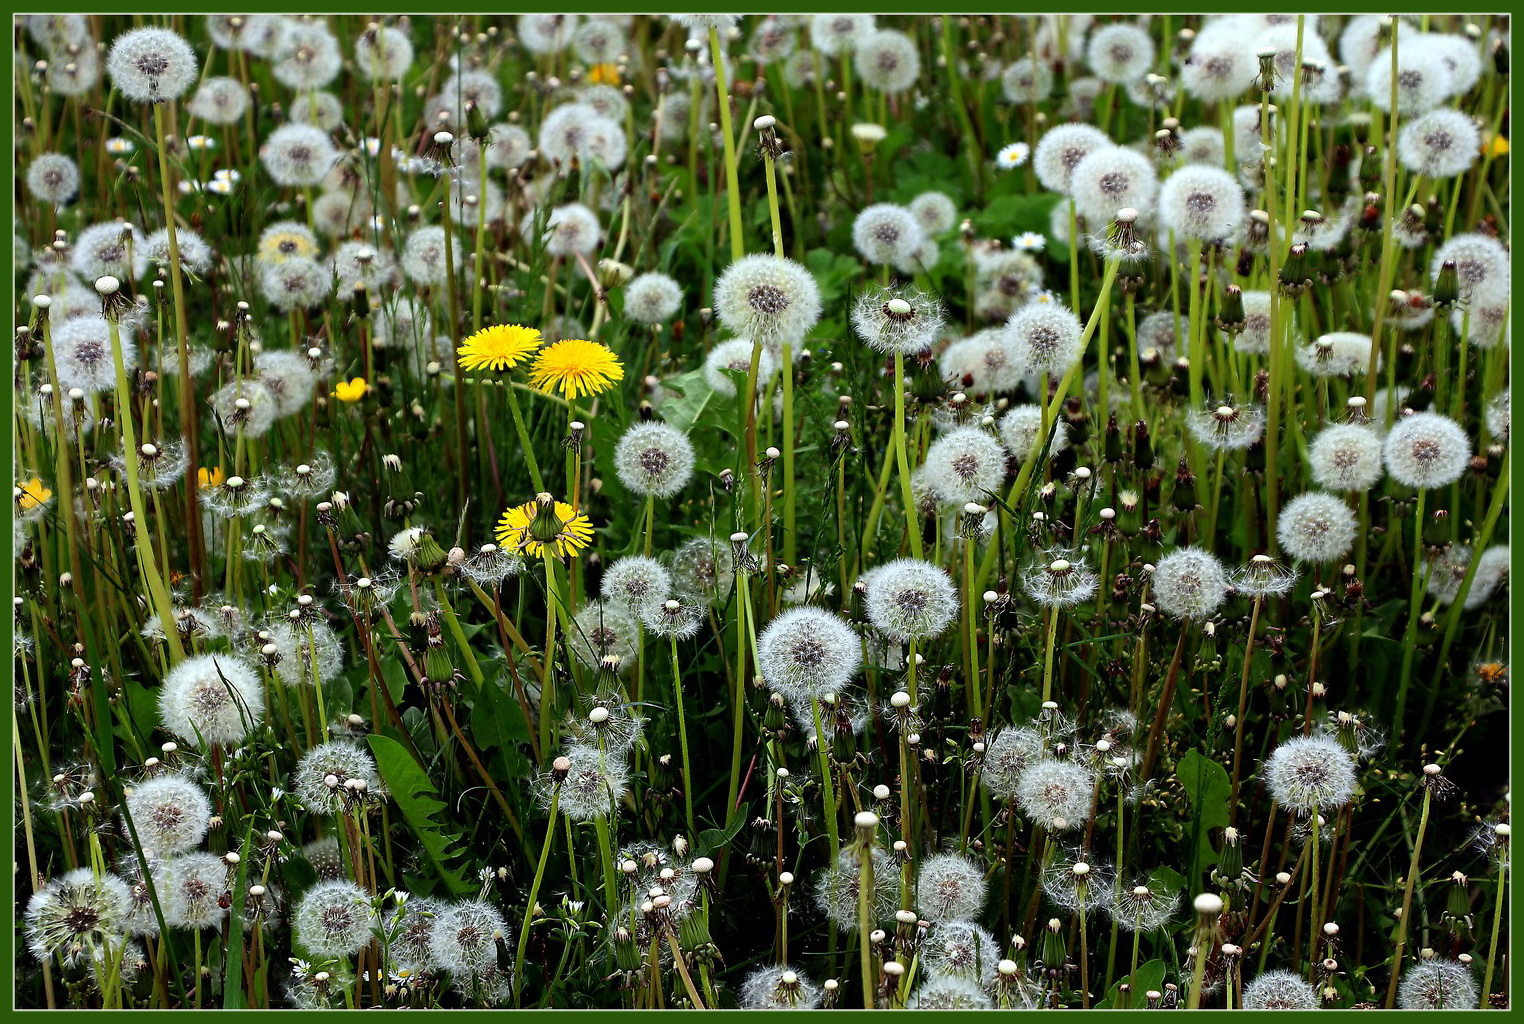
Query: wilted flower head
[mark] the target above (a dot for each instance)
(1308, 774)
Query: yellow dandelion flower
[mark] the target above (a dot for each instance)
(499, 347)
(207, 478)
(530, 527)
(32, 495)
(1499, 145)
(351, 391)
(576, 368)
(605, 73)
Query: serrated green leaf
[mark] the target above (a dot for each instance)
(1206, 783)
(416, 798)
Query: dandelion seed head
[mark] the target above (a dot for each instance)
(295, 283)
(211, 698)
(654, 458)
(1047, 337)
(1440, 144)
(1110, 179)
(333, 919)
(767, 299)
(951, 992)
(343, 761)
(837, 891)
(950, 888)
(151, 65)
(1225, 426)
(546, 33)
(779, 987)
(595, 782)
(639, 584)
(307, 650)
(1021, 426)
(384, 54)
(1120, 52)
(1423, 78)
(53, 178)
(887, 61)
(652, 298)
(464, 936)
(908, 599)
(1481, 263)
(1060, 579)
(807, 652)
(192, 891)
(82, 351)
(935, 211)
(1279, 990)
(965, 464)
(834, 34)
(1438, 984)
(244, 407)
(1309, 774)
(904, 320)
(77, 910)
(986, 363)
(1317, 527)
(297, 155)
(1056, 794)
(1189, 583)
(170, 813)
(1201, 202)
(1426, 450)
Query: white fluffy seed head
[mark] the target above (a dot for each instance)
(211, 699)
(964, 464)
(1112, 179)
(1426, 450)
(151, 65)
(1047, 337)
(807, 652)
(654, 458)
(1056, 794)
(170, 813)
(1317, 527)
(767, 299)
(909, 599)
(333, 919)
(1308, 774)
(1189, 583)
(1060, 151)
(1279, 990)
(1201, 202)
(1346, 457)
(1438, 984)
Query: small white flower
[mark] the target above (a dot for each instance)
(1012, 156)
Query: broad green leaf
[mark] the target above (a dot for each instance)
(416, 799)
(1150, 976)
(1206, 783)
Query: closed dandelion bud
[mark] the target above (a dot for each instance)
(1142, 448)
(1295, 275)
(1053, 950)
(1184, 494)
(1230, 864)
(428, 556)
(1179, 381)
(1447, 285)
(1112, 449)
(1230, 311)
(1079, 425)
